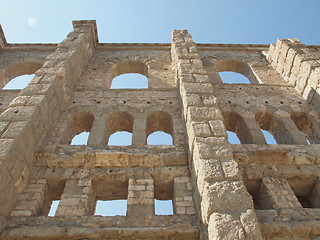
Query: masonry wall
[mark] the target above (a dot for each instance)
(219, 190)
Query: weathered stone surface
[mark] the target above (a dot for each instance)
(202, 173)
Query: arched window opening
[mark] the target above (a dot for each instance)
(121, 138)
(19, 83)
(128, 75)
(111, 207)
(78, 128)
(80, 139)
(159, 138)
(230, 72)
(306, 126)
(237, 129)
(269, 137)
(159, 122)
(119, 128)
(129, 81)
(233, 138)
(233, 78)
(274, 126)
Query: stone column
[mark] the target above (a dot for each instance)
(30, 117)
(139, 131)
(299, 66)
(226, 207)
(183, 196)
(97, 135)
(77, 197)
(255, 135)
(276, 193)
(141, 195)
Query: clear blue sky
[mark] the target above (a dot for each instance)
(230, 21)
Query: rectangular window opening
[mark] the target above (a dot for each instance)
(163, 207)
(306, 190)
(163, 196)
(53, 196)
(53, 208)
(111, 207)
(253, 188)
(110, 198)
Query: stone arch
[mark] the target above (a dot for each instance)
(231, 65)
(308, 125)
(119, 121)
(120, 68)
(77, 123)
(275, 125)
(18, 69)
(159, 121)
(235, 123)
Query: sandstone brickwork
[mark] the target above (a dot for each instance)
(218, 190)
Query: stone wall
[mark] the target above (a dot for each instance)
(218, 190)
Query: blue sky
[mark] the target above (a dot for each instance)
(230, 21)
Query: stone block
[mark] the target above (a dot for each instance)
(226, 226)
(203, 113)
(225, 196)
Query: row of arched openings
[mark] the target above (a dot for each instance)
(272, 128)
(133, 75)
(119, 129)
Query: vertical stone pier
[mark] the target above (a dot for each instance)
(226, 208)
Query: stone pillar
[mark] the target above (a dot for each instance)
(139, 131)
(226, 207)
(141, 195)
(289, 133)
(275, 193)
(30, 117)
(31, 200)
(255, 135)
(183, 196)
(299, 66)
(77, 197)
(97, 135)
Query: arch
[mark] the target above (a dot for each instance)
(159, 121)
(79, 122)
(235, 123)
(19, 69)
(268, 122)
(230, 65)
(119, 122)
(127, 67)
(305, 124)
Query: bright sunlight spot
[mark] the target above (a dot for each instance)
(129, 81)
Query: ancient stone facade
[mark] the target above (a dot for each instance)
(219, 190)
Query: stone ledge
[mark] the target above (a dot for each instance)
(98, 227)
